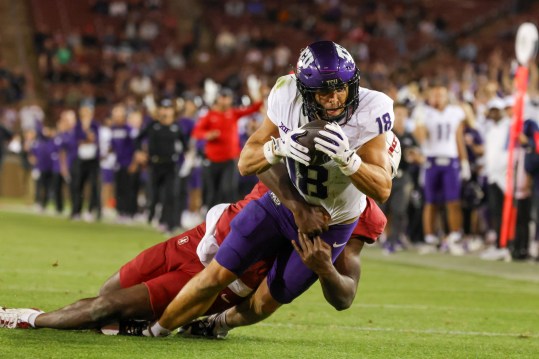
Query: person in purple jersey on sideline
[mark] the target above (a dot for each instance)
(190, 194)
(68, 151)
(325, 86)
(126, 177)
(42, 153)
(59, 168)
(107, 163)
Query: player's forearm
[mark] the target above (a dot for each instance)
(277, 180)
(374, 181)
(339, 290)
(252, 159)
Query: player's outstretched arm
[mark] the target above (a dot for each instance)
(374, 175)
(311, 220)
(339, 281)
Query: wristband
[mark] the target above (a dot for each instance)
(352, 165)
(268, 152)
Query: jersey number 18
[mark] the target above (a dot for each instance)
(309, 180)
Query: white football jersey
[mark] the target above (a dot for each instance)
(326, 185)
(442, 128)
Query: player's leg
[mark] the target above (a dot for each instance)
(253, 310)
(111, 284)
(133, 302)
(197, 296)
(154, 190)
(254, 235)
(430, 189)
(454, 216)
(287, 279)
(259, 306)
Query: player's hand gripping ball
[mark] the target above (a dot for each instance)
(306, 139)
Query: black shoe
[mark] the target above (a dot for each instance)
(205, 328)
(133, 327)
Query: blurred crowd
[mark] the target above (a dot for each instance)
(165, 160)
(128, 75)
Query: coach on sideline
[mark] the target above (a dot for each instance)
(219, 128)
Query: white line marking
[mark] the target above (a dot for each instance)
(431, 308)
(413, 331)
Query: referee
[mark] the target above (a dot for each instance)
(164, 142)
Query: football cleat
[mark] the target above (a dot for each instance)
(205, 327)
(127, 327)
(16, 318)
(133, 327)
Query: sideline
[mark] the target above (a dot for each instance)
(470, 263)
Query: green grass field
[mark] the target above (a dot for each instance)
(408, 306)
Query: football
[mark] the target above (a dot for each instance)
(307, 139)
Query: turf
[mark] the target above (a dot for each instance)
(408, 306)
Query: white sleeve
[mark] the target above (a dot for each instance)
(380, 118)
(281, 95)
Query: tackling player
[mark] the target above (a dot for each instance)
(143, 287)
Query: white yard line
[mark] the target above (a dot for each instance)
(412, 331)
(432, 308)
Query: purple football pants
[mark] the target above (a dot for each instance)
(265, 228)
(442, 180)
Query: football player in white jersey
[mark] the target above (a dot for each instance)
(440, 131)
(325, 86)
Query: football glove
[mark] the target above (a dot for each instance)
(287, 146)
(333, 142)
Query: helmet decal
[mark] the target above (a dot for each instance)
(306, 58)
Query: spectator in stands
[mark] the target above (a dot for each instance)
(219, 127)
(140, 84)
(31, 116)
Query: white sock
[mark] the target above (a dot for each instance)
(32, 319)
(158, 331)
(220, 321)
